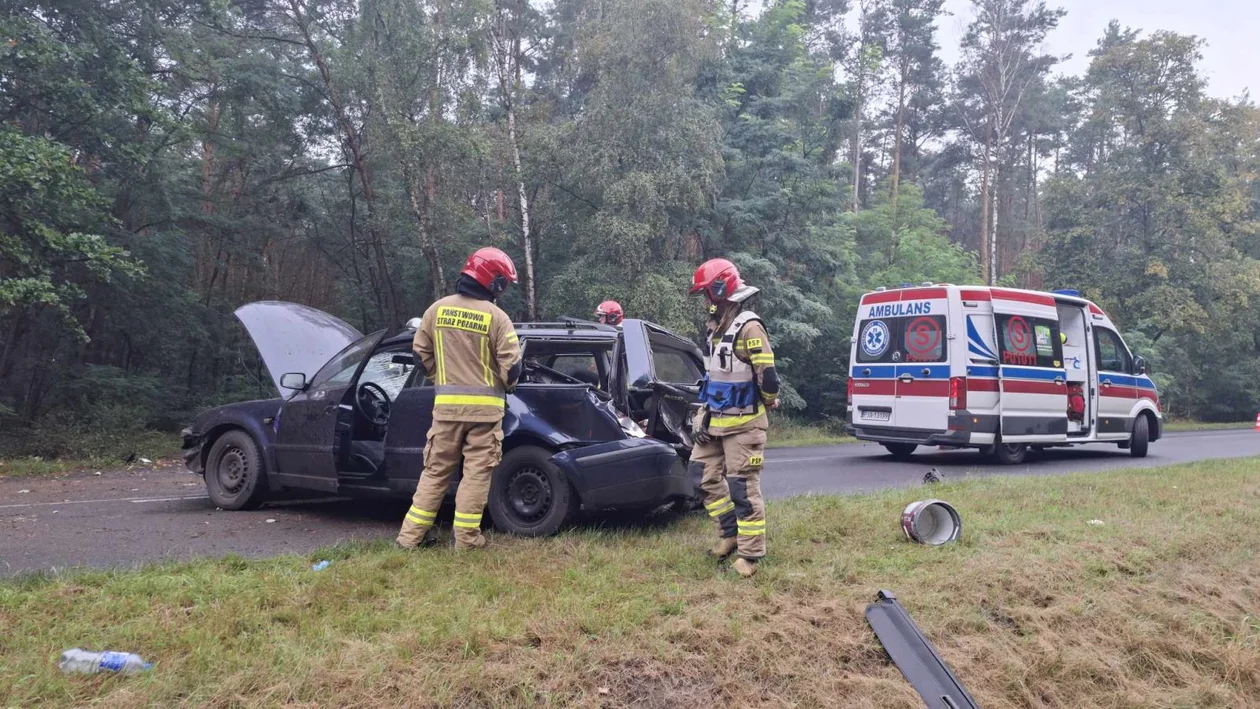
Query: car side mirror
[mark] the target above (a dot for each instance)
(293, 380)
(1139, 364)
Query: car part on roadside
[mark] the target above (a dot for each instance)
(915, 656)
(933, 476)
(931, 522)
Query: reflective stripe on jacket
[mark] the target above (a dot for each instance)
(467, 347)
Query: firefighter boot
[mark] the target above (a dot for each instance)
(745, 567)
(469, 538)
(725, 547)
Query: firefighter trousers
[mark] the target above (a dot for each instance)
(480, 446)
(732, 488)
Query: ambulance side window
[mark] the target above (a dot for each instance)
(877, 340)
(1112, 356)
(1029, 342)
(923, 338)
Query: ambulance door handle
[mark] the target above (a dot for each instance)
(1058, 380)
(906, 377)
(1106, 384)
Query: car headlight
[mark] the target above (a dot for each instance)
(631, 428)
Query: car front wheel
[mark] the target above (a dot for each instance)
(235, 477)
(1010, 453)
(529, 496)
(1141, 439)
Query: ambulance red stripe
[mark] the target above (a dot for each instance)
(874, 387)
(1024, 386)
(974, 384)
(891, 296)
(974, 295)
(1020, 297)
(923, 389)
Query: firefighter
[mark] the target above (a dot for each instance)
(469, 350)
(740, 383)
(609, 312)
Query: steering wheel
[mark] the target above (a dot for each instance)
(372, 402)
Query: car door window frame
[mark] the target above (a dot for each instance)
(1127, 357)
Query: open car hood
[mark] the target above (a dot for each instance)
(294, 338)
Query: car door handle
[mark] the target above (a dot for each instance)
(906, 377)
(1058, 380)
(1106, 384)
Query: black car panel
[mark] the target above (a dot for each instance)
(625, 473)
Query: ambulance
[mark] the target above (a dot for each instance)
(997, 369)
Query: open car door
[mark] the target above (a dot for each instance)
(322, 356)
(1033, 403)
(661, 380)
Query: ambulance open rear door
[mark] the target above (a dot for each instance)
(1033, 383)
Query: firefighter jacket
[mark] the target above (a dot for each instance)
(470, 352)
(740, 377)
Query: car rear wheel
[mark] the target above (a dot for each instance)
(1010, 453)
(901, 451)
(529, 496)
(1141, 437)
(235, 476)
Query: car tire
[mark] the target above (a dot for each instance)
(1141, 438)
(1010, 453)
(236, 477)
(529, 496)
(901, 451)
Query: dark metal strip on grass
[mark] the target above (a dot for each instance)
(915, 656)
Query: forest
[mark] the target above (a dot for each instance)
(163, 162)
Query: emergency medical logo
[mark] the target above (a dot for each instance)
(875, 338)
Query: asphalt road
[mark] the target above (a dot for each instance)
(128, 517)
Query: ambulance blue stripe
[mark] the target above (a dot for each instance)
(1048, 375)
(982, 371)
(878, 371)
(937, 371)
(1126, 380)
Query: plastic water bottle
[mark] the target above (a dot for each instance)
(90, 663)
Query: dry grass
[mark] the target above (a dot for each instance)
(1034, 608)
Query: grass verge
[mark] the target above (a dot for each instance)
(787, 432)
(1036, 606)
(153, 445)
(1177, 425)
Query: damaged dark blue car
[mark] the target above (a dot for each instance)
(598, 421)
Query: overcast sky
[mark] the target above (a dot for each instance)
(1231, 28)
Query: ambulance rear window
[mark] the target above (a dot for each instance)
(923, 338)
(876, 340)
(1030, 342)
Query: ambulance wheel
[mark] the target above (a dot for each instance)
(529, 496)
(235, 477)
(1141, 437)
(1010, 453)
(901, 451)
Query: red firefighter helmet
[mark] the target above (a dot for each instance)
(609, 312)
(491, 268)
(718, 279)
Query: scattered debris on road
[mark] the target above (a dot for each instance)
(933, 476)
(271, 521)
(23, 492)
(321, 565)
(1096, 522)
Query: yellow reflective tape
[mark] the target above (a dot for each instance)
(468, 515)
(441, 360)
(730, 506)
(423, 513)
(511, 336)
(761, 359)
(751, 532)
(467, 525)
(718, 503)
(750, 523)
(485, 359)
(731, 421)
(753, 343)
(477, 321)
(755, 460)
(468, 400)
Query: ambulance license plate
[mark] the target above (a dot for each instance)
(876, 415)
